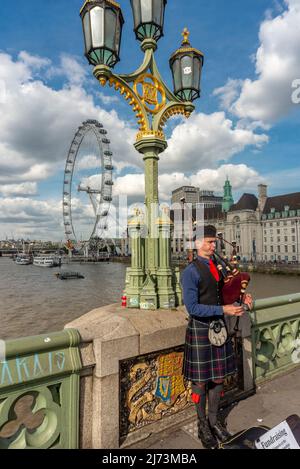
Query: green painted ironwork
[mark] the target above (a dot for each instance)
(151, 286)
(275, 335)
(39, 392)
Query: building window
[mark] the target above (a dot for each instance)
(272, 240)
(271, 224)
(272, 249)
(278, 248)
(294, 248)
(285, 223)
(265, 232)
(293, 230)
(286, 249)
(294, 258)
(265, 248)
(265, 240)
(285, 239)
(278, 231)
(293, 238)
(278, 223)
(278, 239)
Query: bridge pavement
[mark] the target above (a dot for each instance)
(273, 402)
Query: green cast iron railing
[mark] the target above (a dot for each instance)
(275, 335)
(39, 391)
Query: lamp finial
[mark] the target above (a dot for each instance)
(185, 33)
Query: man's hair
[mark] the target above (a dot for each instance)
(210, 231)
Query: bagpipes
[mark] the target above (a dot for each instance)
(235, 282)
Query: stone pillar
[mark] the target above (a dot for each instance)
(165, 288)
(135, 275)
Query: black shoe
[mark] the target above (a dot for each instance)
(220, 432)
(205, 435)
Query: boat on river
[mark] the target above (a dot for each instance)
(43, 260)
(23, 259)
(69, 275)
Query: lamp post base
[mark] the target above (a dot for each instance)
(134, 282)
(166, 294)
(148, 296)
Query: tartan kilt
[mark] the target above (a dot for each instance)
(204, 362)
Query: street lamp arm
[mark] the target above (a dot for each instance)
(141, 70)
(104, 75)
(171, 109)
(154, 69)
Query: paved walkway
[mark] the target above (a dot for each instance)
(272, 403)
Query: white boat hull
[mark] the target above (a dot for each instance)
(45, 262)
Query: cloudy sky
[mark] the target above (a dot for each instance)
(245, 126)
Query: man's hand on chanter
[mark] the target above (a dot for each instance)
(232, 310)
(248, 300)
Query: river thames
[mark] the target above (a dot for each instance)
(33, 301)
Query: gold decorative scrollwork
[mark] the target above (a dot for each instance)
(150, 133)
(172, 111)
(151, 89)
(129, 96)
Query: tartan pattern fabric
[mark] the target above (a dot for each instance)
(203, 362)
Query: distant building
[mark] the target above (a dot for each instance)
(243, 227)
(281, 228)
(209, 200)
(185, 194)
(263, 228)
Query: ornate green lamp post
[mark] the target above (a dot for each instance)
(150, 282)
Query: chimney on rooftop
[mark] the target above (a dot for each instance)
(262, 196)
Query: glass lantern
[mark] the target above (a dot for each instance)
(102, 22)
(186, 65)
(148, 16)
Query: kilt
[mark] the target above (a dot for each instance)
(204, 362)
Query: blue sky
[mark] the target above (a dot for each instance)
(245, 124)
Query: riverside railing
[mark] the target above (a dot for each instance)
(275, 335)
(39, 391)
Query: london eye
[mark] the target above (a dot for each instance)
(87, 187)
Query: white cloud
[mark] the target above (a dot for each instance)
(38, 123)
(241, 177)
(26, 188)
(108, 100)
(71, 69)
(268, 98)
(41, 219)
(130, 185)
(204, 140)
(228, 93)
(33, 61)
(26, 217)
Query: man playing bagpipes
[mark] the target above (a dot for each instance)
(208, 358)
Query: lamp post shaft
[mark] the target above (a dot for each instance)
(151, 282)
